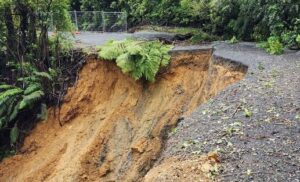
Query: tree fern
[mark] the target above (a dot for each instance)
(137, 58)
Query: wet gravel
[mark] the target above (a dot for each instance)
(254, 124)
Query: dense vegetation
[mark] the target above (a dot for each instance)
(250, 20)
(29, 64)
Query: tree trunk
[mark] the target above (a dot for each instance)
(32, 36)
(22, 9)
(10, 37)
(44, 48)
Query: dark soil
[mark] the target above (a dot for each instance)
(254, 124)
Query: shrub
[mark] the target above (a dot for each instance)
(233, 40)
(290, 40)
(137, 58)
(273, 45)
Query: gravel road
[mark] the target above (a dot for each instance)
(253, 124)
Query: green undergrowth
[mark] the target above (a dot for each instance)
(139, 59)
(18, 103)
(273, 45)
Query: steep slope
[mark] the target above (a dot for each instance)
(113, 127)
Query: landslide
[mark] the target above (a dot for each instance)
(114, 127)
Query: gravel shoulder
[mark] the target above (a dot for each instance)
(254, 124)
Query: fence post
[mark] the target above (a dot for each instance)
(126, 23)
(103, 21)
(52, 23)
(76, 20)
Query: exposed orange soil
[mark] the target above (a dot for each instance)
(113, 127)
(195, 169)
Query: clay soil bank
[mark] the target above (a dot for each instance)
(114, 127)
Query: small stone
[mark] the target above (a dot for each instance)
(213, 156)
(140, 146)
(84, 177)
(104, 169)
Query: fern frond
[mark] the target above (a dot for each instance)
(9, 93)
(6, 107)
(31, 99)
(112, 49)
(125, 63)
(14, 113)
(30, 79)
(6, 87)
(134, 49)
(14, 135)
(43, 75)
(32, 88)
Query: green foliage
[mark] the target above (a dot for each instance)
(246, 19)
(14, 135)
(298, 39)
(26, 56)
(29, 100)
(32, 88)
(202, 37)
(273, 46)
(233, 40)
(15, 102)
(137, 58)
(62, 40)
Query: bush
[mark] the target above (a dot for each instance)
(139, 59)
(248, 20)
(273, 45)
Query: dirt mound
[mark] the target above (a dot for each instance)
(113, 127)
(200, 169)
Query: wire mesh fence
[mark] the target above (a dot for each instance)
(97, 21)
(114, 21)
